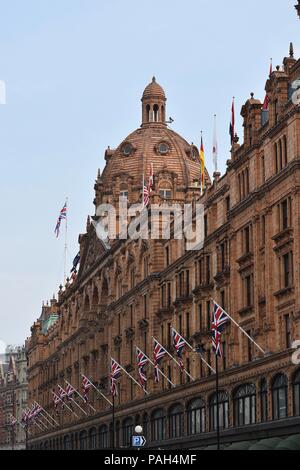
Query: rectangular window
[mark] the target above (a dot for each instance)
(287, 275)
(223, 299)
(208, 315)
(263, 230)
(247, 246)
(208, 270)
(205, 226)
(227, 203)
(284, 215)
(188, 325)
(249, 291)
(288, 335)
(169, 295)
(167, 254)
(200, 317)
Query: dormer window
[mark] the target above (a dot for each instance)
(165, 193)
(124, 194)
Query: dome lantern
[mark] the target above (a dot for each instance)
(154, 104)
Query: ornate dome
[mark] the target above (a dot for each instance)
(154, 90)
(175, 162)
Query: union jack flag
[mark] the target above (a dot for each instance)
(158, 353)
(220, 317)
(146, 195)
(86, 385)
(142, 361)
(115, 373)
(147, 187)
(70, 390)
(37, 410)
(56, 399)
(25, 418)
(13, 420)
(179, 343)
(62, 216)
(62, 394)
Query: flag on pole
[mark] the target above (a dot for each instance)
(56, 400)
(202, 166)
(179, 343)
(62, 216)
(147, 187)
(142, 361)
(76, 261)
(220, 317)
(62, 394)
(266, 100)
(13, 420)
(70, 390)
(158, 354)
(86, 385)
(215, 145)
(115, 373)
(232, 124)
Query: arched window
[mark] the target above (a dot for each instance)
(127, 432)
(245, 405)
(103, 437)
(296, 390)
(279, 397)
(276, 157)
(156, 113)
(176, 426)
(223, 411)
(148, 112)
(93, 439)
(285, 151)
(280, 155)
(264, 400)
(158, 425)
(83, 440)
(196, 416)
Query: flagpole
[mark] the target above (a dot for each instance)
(113, 422)
(57, 424)
(195, 351)
(242, 330)
(77, 393)
(68, 408)
(184, 370)
(100, 393)
(132, 378)
(215, 145)
(161, 373)
(217, 402)
(66, 244)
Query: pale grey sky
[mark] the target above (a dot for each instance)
(75, 71)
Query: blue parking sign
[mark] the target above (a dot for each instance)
(138, 441)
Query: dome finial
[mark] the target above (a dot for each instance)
(153, 79)
(291, 50)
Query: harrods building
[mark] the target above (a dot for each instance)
(130, 290)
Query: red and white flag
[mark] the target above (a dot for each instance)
(86, 385)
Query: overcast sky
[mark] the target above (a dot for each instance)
(75, 71)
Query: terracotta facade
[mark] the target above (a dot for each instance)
(129, 291)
